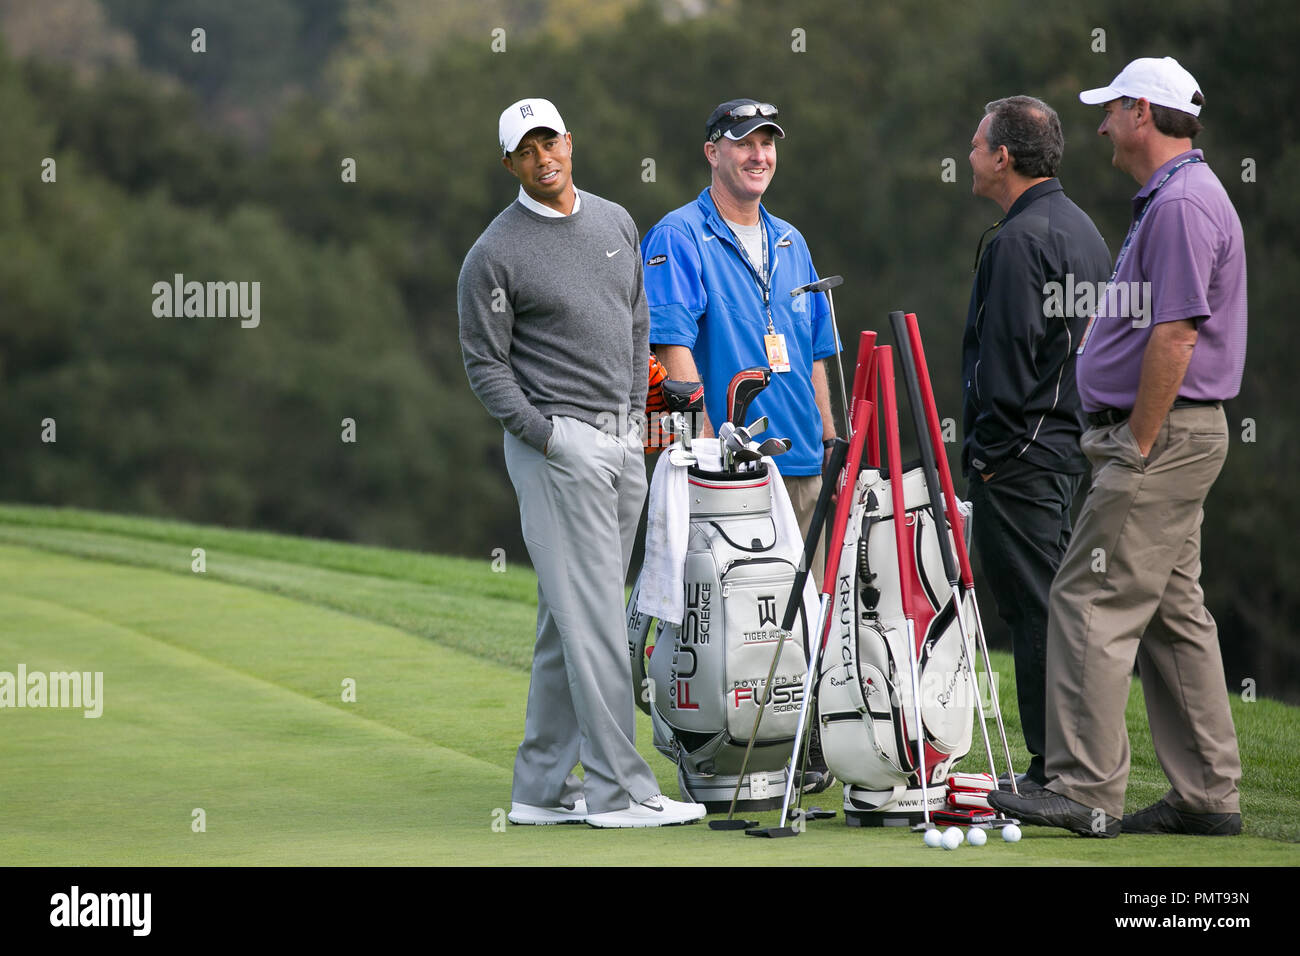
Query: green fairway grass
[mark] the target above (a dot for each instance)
(224, 692)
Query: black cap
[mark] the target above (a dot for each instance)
(722, 123)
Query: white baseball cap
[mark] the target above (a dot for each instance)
(526, 115)
(1161, 81)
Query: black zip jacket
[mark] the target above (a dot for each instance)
(1018, 351)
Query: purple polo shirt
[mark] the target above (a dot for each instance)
(1187, 260)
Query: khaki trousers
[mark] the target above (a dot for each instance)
(1128, 590)
(803, 491)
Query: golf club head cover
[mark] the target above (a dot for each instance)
(683, 396)
(971, 781)
(744, 388)
(964, 799)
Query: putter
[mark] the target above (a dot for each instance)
(825, 285)
(838, 452)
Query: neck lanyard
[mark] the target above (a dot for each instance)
(1128, 240)
(1137, 220)
(760, 278)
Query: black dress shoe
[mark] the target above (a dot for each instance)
(1044, 808)
(1162, 817)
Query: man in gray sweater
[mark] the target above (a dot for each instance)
(554, 331)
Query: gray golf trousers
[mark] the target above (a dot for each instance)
(579, 504)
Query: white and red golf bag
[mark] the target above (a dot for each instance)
(865, 700)
(895, 691)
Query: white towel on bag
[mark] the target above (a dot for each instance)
(668, 527)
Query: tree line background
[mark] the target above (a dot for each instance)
(226, 165)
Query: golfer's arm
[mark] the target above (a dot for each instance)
(679, 363)
(1164, 363)
(822, 393)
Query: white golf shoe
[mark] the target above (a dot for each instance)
(525, 815)
(658, 811)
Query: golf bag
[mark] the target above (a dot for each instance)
(701, 681)
(865, 688)
(891, 672)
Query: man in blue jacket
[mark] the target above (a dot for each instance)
(718, 275)
(1022, 413)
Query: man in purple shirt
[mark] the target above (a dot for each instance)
(1165, 348)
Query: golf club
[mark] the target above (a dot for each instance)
(774, 446)
(728, 445)
(749, 432)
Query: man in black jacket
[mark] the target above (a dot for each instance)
(1035, 285)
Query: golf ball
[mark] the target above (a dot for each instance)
(952, 839)
(1011, 833)
(933, 837)
(976, 837)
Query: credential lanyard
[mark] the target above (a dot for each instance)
(1137, 221)
(1128, 240)
(761, 278)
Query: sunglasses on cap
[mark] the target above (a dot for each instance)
(739, 113)
(751, 109)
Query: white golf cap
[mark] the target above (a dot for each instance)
(1161, 81)
(526, 115)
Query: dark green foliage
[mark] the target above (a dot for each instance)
(201, 419)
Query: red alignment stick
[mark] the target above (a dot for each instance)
(940, 453)
(959, 537)
(903, 545)
(863, 411)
